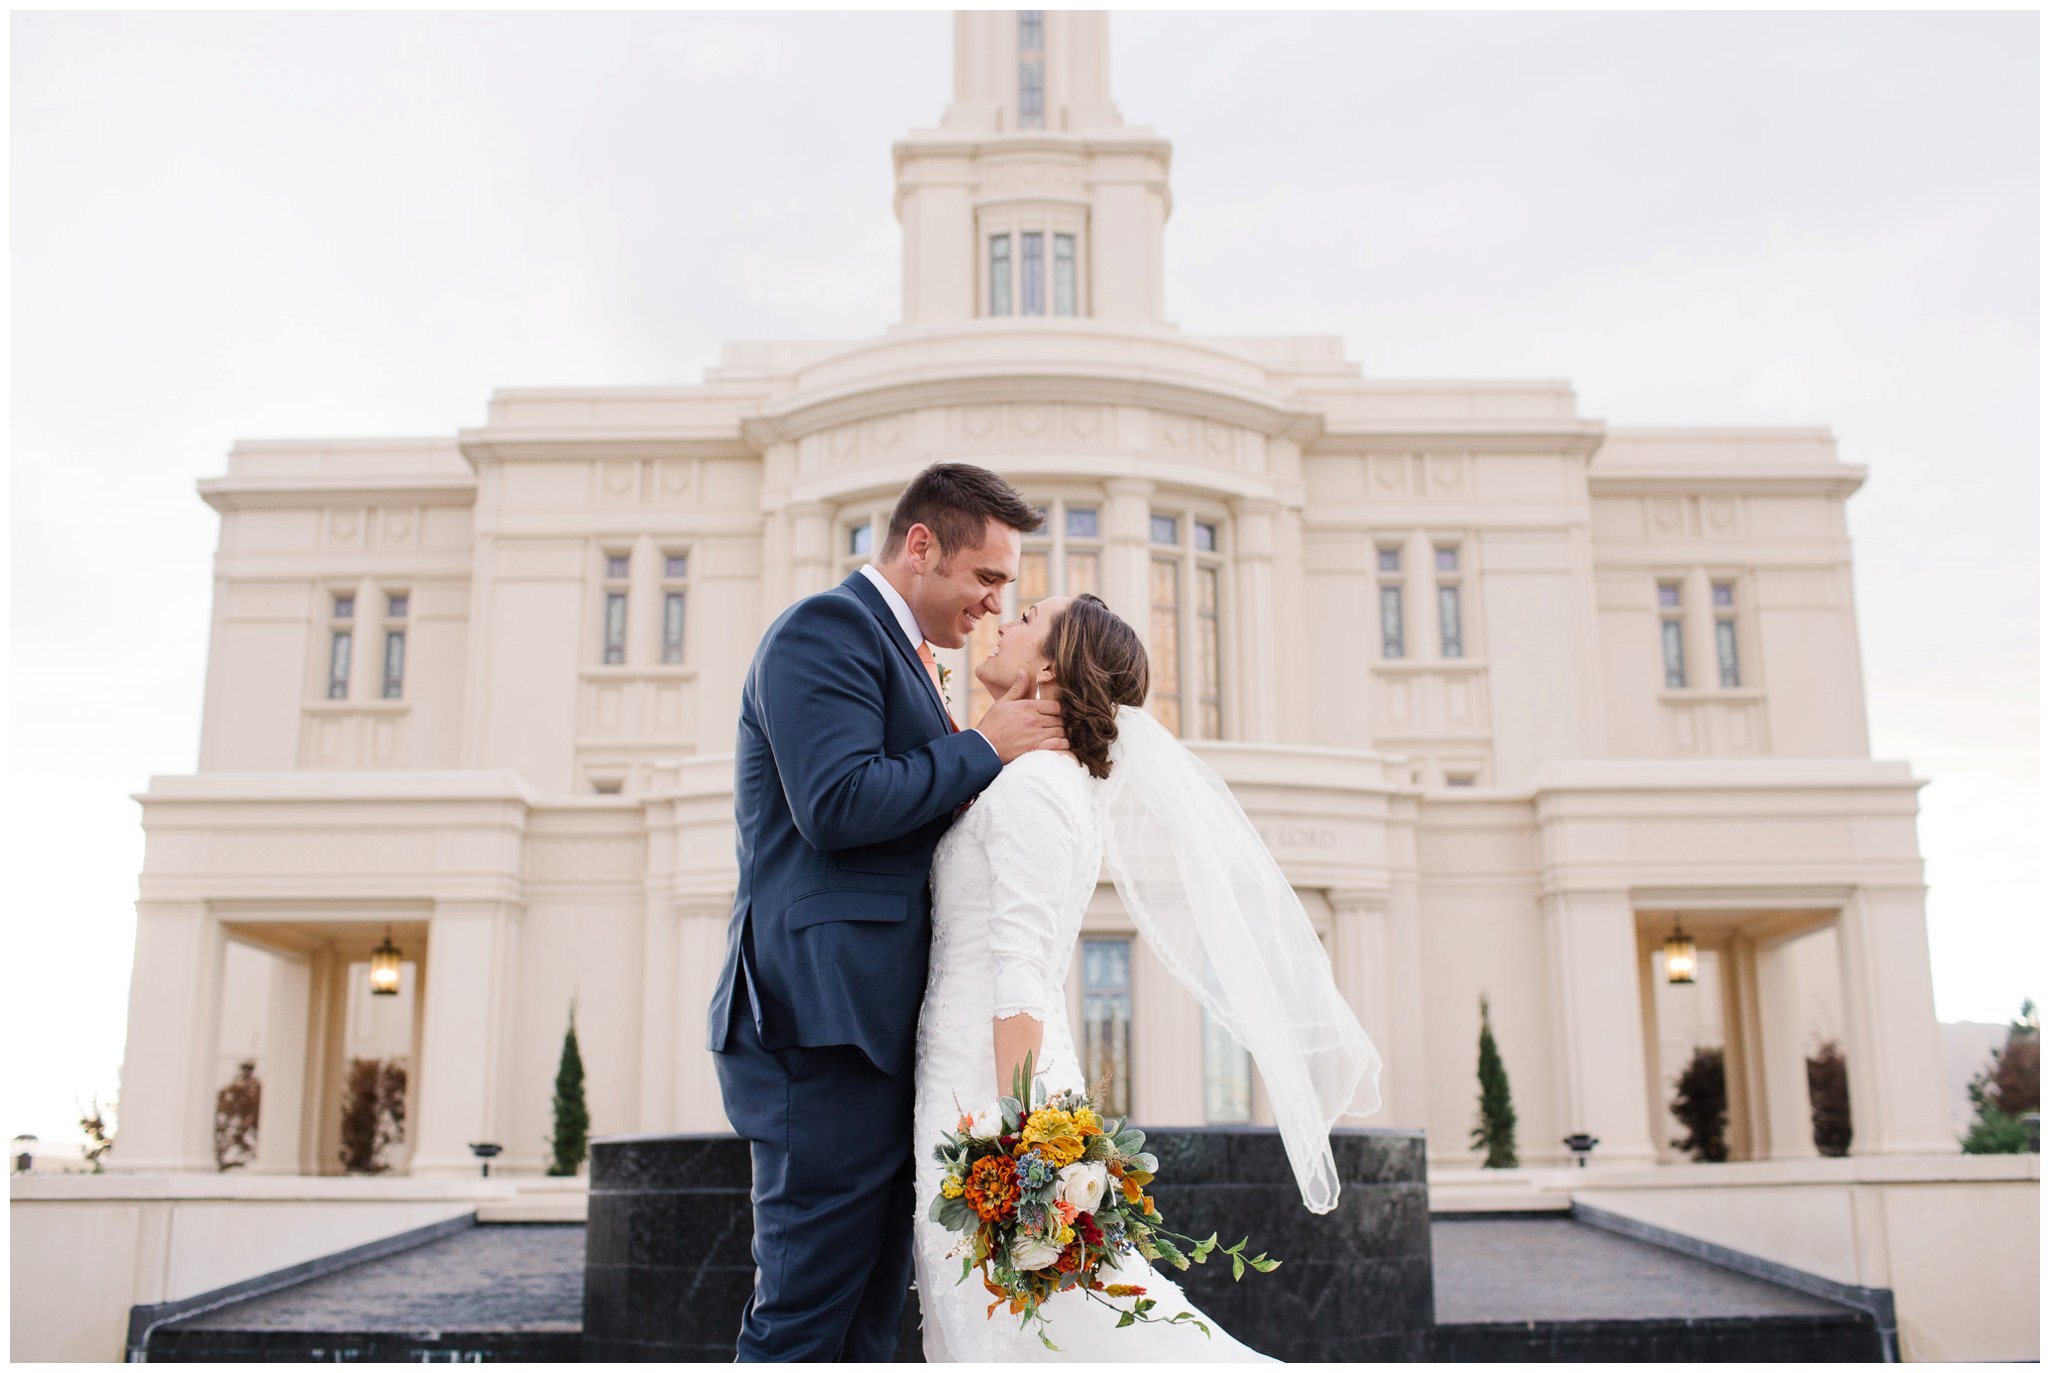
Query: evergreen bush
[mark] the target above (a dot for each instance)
(1496, 1130)
(572, 1117)
(1701, 1102)
(1829, 1100)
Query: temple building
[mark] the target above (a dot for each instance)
(1517, 699)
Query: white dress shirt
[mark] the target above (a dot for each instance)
(907, 622)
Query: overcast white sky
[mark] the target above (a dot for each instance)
(278, 226)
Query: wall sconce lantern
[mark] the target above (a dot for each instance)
(1680, 957)
(1582, 1144)
(384, 967)
(486, 1153)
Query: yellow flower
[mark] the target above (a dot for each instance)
(1089, 1120)
(1124, 1289)
(1066, 1237)
(1055, 1134)
(950, 1186)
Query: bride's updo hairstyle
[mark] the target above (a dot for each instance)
(1099, 664)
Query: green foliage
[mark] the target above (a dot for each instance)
(99, 1137)
(2007, 1089)
(1496, 1131)
(373, 1113)
(1829, 1100)
(1701, 1102)
(572, 1116)
(237, 1107)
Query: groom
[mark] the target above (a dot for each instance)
(847, 772)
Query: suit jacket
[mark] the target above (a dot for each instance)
(846, 773)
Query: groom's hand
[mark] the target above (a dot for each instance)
(1015, 725)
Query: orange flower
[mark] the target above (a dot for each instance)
(1070, 1259)
(1148, 1203)
(1124, 1289)
(1131, 1188)
(992, 1187)
(1065, 1211)
(965, 1124)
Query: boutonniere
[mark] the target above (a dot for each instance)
(946, 678)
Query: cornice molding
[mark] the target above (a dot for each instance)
(514, 445)
(296, 493)
(1839, 481)
(807, 412)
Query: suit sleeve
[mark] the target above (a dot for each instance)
(820, 688)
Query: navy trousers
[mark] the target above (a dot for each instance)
(833, 1195)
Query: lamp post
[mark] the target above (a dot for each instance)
(384, 967)
(1680, 955)
(1582, 1144)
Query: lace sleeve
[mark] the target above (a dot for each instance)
(1032, 838)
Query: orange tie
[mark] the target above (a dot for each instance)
(932, 670)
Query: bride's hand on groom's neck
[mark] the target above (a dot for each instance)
(1017, 724)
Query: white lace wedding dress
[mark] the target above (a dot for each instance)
(1010, 882)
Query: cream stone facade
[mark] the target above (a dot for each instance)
(1509, 692)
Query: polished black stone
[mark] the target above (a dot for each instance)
(670, 1225)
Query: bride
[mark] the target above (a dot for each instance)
(1010, 882)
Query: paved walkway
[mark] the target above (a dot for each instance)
(1545, 1269)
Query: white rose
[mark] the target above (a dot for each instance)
(1082, 1185)
(1030, 1253)
(988, 1123)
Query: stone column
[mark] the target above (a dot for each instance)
(167, 1087)
(1698, 637)
(644, 603)
(1419, 597)
(466, 1049)
(1597, 1028)
(700, 924)
(1253, 623)
(1366, 960)
(1781, 1056)
(811, 548)
(1127, 584)
(1743, 1072)
(288, 1026)
(366, 658)
(1891, 1054)
(1296, 621)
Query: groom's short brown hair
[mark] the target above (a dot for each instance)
(956, 501)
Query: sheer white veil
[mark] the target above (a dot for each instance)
(1214, 906)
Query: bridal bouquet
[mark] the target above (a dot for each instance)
(1046, 1196)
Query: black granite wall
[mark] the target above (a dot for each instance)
(668, 1269)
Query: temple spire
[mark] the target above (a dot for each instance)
(1033, 197)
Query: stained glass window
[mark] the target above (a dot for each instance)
(1000, 274)
(1083, 569)
(1165, 650)
(338, 665)
(1227, 1076)
(615, 626)
(672, 627)
(1676, 665)
(1726, 651)
(1209, 655)
(394, 664)
(1064, 274)
(1391, 621)
(1450, 642)
(1107, 1020)
(1031, 69)
(1032, 278)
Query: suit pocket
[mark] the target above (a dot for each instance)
(820, 907)
(892, 858)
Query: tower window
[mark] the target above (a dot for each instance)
(1064, 274)
(1031, 69)
(1107, 1019)
(1032, 283)
(1000, 274)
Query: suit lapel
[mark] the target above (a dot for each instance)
(866, 593)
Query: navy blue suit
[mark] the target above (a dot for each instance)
(846, 773)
